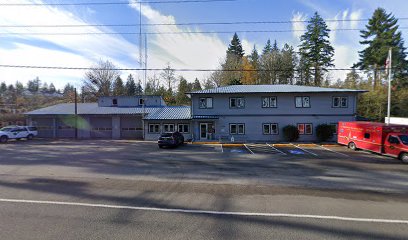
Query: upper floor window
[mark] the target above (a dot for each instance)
(142, 101)
(114, 101)
(269, 102)
(206, 102)
(340, 102)
(305, 128)
(302, 102)
(237, 102)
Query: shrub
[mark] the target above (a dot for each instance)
(324, 132)
(291, 133)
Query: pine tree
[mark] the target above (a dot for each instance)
(267, 48)
(315, 48)
(381, 34)
(352, 80)
(183, 88)
(130, 86)
(139, 88)
(3, 87)
(288, 65)
(196, 85)
(51, 88)
(235, 47)
(254, 61)
(118, 87)
(270, 64)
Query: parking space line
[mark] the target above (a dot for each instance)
(314, 154)
(274, 148)
(248, 149)
(209, 212)
(222, 148)
(325, 148)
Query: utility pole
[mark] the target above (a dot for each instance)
(389, 67)
(76, 113)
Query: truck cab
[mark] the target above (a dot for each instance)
(396, 145)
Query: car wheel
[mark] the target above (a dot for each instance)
(352, 146)
(404, 157)
(30, 137)
(18, 139)
(3, 139)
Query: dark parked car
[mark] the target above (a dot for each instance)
(170, 139)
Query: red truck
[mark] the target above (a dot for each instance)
(381, 138)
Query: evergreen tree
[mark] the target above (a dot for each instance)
(34, 85)
(130, 86)
(19, 88)
(235, 47)
(270, 65)
(381, 34)
(315, 48)
(183, 88)
(118, 87)
(254, 61)
(51, 88)
(44, 88)
(139, 88)
(3, 87)
(352, 80)
(267, 48)
(196, 85)
(287, 65)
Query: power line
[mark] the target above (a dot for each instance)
(183, 24)
(109, 3)
(3, 34)
(178, 70)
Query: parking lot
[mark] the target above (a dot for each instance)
(305, 165)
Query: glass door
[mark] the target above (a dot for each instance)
(203, 131)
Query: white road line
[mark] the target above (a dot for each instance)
(222, 148)
(209, 212)
(314, 154)
(333, 151)
(248, 149)
(275, 149)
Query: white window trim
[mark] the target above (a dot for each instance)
(304, 128)
(208, 101)
(270, 128)
(237, 100)
(153, 125)
(237, 125)
(168, 126)
(269, 102)
(302, 98)
(340, 101)
(183, 124)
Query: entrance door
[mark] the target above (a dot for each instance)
(203, 131)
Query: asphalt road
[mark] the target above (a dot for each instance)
(131, 190)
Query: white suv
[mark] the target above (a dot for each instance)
(17, 132)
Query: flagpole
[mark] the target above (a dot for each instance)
(389, 86)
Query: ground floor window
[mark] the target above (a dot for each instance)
(270, 128)
(184, 128)
(305, 128)
(237, 128)
(154, 128)
(168, 127)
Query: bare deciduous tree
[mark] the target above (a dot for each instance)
(99, 80)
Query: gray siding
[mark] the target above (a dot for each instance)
(321, 104)
(133, 101)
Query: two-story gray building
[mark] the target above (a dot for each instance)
(240, 113)
(259, 112)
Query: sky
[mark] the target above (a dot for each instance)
(27, 45)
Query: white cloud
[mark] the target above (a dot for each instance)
(354, 16)
(298, 25)
(247, 46)
(343, 58)
(181, 49)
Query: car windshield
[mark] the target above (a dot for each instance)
(404, 139)
(6, 129)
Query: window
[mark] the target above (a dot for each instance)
(302, 102)
(237, 102)
(393, 140)
(270, 128)
(269, 102)
(154, 128)
(237, 128)
(305, 128)
(141, 101)
(340, 102)
(206, 102)
(334, 127)
(366, 135)
(184, 128)
(114, 101)
(168, 127)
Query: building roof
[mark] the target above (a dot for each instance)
(271, 89)
(170, 113)
(153, 113)
(90, 109)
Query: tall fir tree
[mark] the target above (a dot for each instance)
(130, 86)
(235, 47)
(380, 35)
(233, 62)
(254, 59)
(183, 88)
(118, 87)
(196, 85)
(267, 48)
(315, 48)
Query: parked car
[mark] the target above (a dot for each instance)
(17, 132)
(170, 139)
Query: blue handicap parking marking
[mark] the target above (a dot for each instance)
(296, 152)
